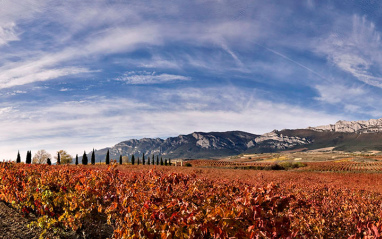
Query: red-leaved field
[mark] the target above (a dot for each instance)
(179, 202)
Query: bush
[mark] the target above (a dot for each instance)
(276, 167)
(300, 165)
(286, 165)
(289, 165)
(250, 167)
(188, 165)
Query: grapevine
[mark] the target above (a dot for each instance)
(154, 203)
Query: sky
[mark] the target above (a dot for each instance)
(78, 75)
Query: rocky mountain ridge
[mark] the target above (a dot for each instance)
(195, 145)
(362, 126)
(203, 145)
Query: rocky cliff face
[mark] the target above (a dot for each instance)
(276, 140)
(364, 126)
(138, 147)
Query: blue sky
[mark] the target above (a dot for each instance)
(81, 74)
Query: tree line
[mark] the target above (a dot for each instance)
(43, 157)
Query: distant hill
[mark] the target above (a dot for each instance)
(195, 145)
(343, 135)
(341, 141)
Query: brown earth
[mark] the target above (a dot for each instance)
(13, 225)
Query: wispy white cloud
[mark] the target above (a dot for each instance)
(47, 66)
(351, 99)
(13, 12)
(234, 56)
(355, 50)
(7, 79)
(7, 33)
(155, 62)
(145, 77)
(12, 93)
(116, 28)
(121, 39)
(337, 93)
(294, 62)
(5, 110)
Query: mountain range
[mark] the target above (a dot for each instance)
(343, 135)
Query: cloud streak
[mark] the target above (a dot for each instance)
(144, 77)
(295, 62)
(356, 50)
(7, 33)
(7, 81)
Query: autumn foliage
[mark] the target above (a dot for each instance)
(156, 203)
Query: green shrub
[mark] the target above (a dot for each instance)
(289, 165)
(300, 164)
(276, 167)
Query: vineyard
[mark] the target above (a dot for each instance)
(175, 202)
(345, 166)
(215, 163)
(329, 166)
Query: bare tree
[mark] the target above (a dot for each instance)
(41, 156)
(65, 158)
(125, 159)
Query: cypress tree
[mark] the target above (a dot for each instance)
(84, 159)
(169, 161)
(132, 159)
(76, 159)
(48, 161)
(93, 158)
(165, 162)
(107, 160)
(161, 161)
(152, 162)
(18, 159)
(138, 161)
(143, 159)
(157, 159)
(29, 157)
(58, 158)
(148, 160)
(120, 159)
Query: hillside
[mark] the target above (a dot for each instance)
(195, 145)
